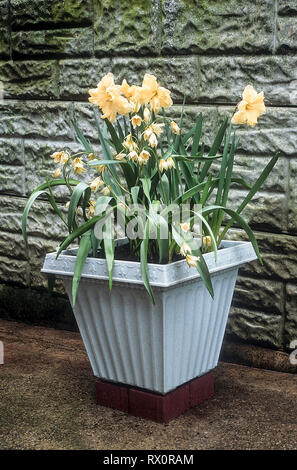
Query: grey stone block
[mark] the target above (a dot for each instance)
(256, 327)
(127, 27)
(29, 79)
(35, 13)
(259, 294)
(225, 26)
(36, 119)
(62, 42)
(290, 329)
(222, 79)
(78, 76)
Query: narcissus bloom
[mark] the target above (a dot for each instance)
(143, 157)
(136, 121)
(184, 249)
(185, 226)
(96, 184)
(153, 141)
(129, 143)
(105, 191)
(151, 92)
(108, 97)
(250, 108)
(91, 156)
(120, 156)
(206, 241)
(91, 209)
(78, 166)
(192, 260)
(57, 173)
(156, 128)
(146, 115)
(170, 163)
(133, 156)
(60, 157)
(175, 128)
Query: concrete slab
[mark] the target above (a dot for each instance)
(47, 401)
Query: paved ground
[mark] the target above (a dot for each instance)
(47, 401)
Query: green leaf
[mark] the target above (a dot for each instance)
(80, 189)
(80, 230)
(81, 138)
(197, 135)
(82, 253)
(257, 185)
(241, 222)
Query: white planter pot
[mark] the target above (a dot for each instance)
(156, 347)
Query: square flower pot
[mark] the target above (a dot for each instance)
(154, 347)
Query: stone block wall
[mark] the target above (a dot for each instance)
(53, 51)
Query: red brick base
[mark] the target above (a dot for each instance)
(149, 405)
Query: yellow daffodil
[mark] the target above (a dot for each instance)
(91, 156)
(250, 108)
(184, 249)
(96, 184)
(192, 260)
(105, 191)
(175, 128)
(57, 173)
(60, 157)
(78, 166)
(129, 91)
(185, 226)
(108, 97)
(151, 92)
(136, 121)
(91, 209)
(146, 115)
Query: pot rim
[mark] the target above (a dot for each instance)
(232, 255)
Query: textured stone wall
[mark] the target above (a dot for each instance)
(53, 51)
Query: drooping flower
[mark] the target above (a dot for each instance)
(78, 166)
(143, 157)
(120, 156)
(91, 209)
(151, 92)
(146, 115)
(162, 165)
(133, 156)
(250, 107)
(108, 97)
(175, 128)
(206, 240)
(57, 173)
(105, 191)
(170, 163)
(91, 156)
(136, 121)
(185, 226)
(60, 157)
(129, 143)
(100, 168)
(184, 249)
(192, 260)
(96, 184)
(153, 141)
(156, 128)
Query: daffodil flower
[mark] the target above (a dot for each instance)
(250, 108)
